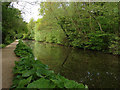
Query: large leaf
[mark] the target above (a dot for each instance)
(58, 80)
(42, 71)
(39, 64)
(24, 82)
(69, 84)
(80, 85)
(27, 73)
(41, 83)
(58, 83)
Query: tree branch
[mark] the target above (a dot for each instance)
(96, 20)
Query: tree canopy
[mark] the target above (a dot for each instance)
(13, 25)
(92, 25)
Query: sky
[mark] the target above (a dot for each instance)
(29, 10)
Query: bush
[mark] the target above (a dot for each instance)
(28, 36)
(114, 45)
(53, 36)
(98, 41)
(2, 45)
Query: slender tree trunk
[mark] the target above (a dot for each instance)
(96, 21)
(66, 57)
(119, 25)
(94, 18)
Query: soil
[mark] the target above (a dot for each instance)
(8, 59)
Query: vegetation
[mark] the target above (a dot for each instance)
(13, 26)
(31, 73)
(88, 25)
(2, 45)
(30, 26)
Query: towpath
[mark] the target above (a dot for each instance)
(8, 59)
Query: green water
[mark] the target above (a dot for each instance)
(96, 69)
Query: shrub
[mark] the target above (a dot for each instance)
(114, 45)
(98, 41)
(2, 45)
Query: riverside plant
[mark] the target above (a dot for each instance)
(31, 73)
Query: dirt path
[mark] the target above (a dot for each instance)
(8, 59)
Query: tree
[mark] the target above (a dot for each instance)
(85, 24)
(31, 26)
(13, 25)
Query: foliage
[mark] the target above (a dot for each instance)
(22, 51)
(31, 73)
(30, 27)
(53, 36)
(13, 25)
(2, 45)
(115, 45)
(98, 41)
(84, 24)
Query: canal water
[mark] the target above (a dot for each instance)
(94, 68)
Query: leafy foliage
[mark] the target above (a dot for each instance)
(2, 45)
(115, 45)
(31, 73)
(82, 24)
(84, 27)
(98, 41)
(23, 50)
(13, 25)
(30, 26)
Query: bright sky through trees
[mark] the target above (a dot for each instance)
(29, 9)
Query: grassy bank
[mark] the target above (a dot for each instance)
(31, 73)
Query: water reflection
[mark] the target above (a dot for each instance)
(95, 69)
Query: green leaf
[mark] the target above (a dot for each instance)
(58, 83)
(27, 73)
(24, 82)
(39, 64)
(41, 83)
(42, 71)
(80, 86)
(69, 84)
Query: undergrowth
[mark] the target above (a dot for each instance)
(2, 45)
(31, 73)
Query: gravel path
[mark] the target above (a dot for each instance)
(8, 59)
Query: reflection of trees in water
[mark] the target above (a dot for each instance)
(69, 51)
(90, 67)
